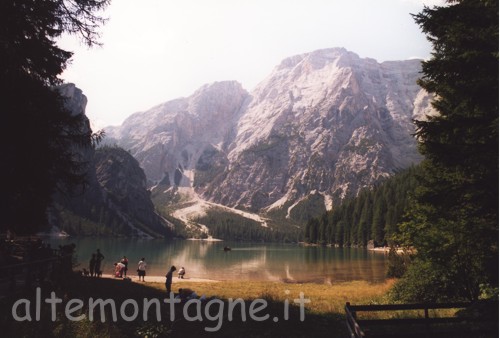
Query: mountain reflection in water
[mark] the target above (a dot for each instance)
(246, 261)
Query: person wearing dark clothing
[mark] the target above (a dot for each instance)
(92, 265)
(186, 294)
(124, 261)
(98, 260)
(168, 281)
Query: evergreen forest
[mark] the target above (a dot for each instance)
(373, 215)
(230, 226)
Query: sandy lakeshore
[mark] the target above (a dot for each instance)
(161, 279)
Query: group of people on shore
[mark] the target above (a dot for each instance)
(95, 264)
(121, 268)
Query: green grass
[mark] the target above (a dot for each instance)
(325, 299)
(323, 316)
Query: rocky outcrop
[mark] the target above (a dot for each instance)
(123, 184)
(115, 200)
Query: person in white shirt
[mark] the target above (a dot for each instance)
(182, 272)
(141, 269)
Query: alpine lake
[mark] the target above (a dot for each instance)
(293, 263)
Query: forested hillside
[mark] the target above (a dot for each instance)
(230, 226)
(115, 203)
(372, 215)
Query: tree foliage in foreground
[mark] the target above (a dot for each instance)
(454, 223)
(39, 134)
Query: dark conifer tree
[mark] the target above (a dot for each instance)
(377, 225)
(454, 224)
(38, 133)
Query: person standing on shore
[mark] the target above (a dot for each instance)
(141, 269)
(98, 260)
(168, 281)
(92, 265)
(124, 261)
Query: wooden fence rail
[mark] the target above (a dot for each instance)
(359, 328)
(26, 274)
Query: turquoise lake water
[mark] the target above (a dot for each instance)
(245, 261)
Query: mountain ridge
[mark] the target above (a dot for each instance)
(326, 123)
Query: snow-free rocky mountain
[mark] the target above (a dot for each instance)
(323, 124)
(116, 200)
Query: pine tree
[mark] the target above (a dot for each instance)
(38, 133)
(454, 224)
(378, 221)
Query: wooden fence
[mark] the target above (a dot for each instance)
(41, 267)
(416, 326)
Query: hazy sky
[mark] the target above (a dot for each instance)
(157, 50)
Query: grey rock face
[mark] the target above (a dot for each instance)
(327, 122)
(116, 197)
(172, 136)
(123, 184)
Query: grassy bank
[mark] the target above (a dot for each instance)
(281, 317)
(325, 299)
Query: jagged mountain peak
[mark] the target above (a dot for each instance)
(312, 83)
(317, 59)
(212, 97)
(173, 135)
(327, 122)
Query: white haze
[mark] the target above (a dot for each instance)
(156, 50)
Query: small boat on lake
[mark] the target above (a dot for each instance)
(226, 248)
